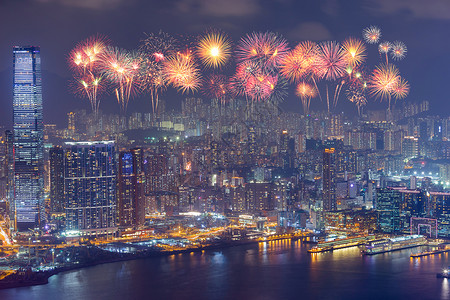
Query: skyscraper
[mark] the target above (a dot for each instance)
(131, 204)
(90, 187)
(9, 168)
(28, 139)
(328, 174)
(56, 155)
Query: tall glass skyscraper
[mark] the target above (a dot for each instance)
(28, 139)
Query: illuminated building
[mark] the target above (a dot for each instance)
(387, 204)
(410, 147)
(71, 123)
(28, 139)
(439, 208)
(131, 202)
(9, 169)
(90, 186)
(259, 196)
(56, 155)
(328, 179)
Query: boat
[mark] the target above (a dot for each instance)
(393, 244)
(444, 274)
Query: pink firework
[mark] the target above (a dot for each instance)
(268, 49)
(299, 63)
(216, 86)
(331, 61)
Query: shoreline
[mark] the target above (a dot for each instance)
(127, 257)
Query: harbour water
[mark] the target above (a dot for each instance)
(272, 270)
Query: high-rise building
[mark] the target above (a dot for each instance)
(56, 156)
(28, 139)
(388, 202)
(71, 123)
(90, 187)
(131, 202)
(410, 147)
(9, 170)
(328, 178)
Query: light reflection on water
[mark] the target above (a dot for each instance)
(268, 270)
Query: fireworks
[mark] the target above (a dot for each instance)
(330, 61)
(398, 50)
(299, 62)
(401, 89)
(264, 66)
(214, 50)
(383, 81)
(372, 34)
(267, 49)
(84, 61)
(305, 91)
(158, 46)
(122, 69)
(384, 47)
(181, 71)
(216, 86)
(357, 96)
(354, 51)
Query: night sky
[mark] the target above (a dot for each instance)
(57, 25)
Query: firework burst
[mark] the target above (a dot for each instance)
(158, 46)
(305, 91)
(398, 50)
(216, 87)
(356, 94)
(267, 49)
(214, 49)
(372, 34)
(122, 69)
(383, 81)
(330, 62)
(299, 62)
(84, 61)
(401, 89)
(182, 72)
(354, 51)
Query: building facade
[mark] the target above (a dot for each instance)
(131, 202)
(90, 186)
(28, 127)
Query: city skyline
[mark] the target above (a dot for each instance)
(327, 22)
(202, 149)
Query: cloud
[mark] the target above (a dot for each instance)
(219, 8)
(314, 31)
(426, 9)
(88, 4)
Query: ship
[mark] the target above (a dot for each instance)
(393, 244)
(444, 274)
